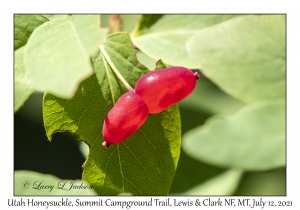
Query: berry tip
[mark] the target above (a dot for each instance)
(196, 75)
(105, 144)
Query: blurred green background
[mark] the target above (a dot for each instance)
(64, 156)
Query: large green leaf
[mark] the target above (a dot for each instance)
(22, 84)
(145, 163)
(24, 26)
(33, 183)
(166, 38)
(252, 139)
(245, 56)
(223, 184)
(57, 55)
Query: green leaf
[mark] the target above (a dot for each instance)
(24, 25)
(166, 39)
(34, 183)
(146, 60)
(208, 97)
(123, 56)
(57, 55)
(144, 23)
(252, 139)
(88, 31)
(22, 84)
(221, 185)
(145, 163)
(245, 56)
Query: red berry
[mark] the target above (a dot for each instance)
(128, 115)
(161, 89)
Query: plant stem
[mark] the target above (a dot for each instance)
(114, 68)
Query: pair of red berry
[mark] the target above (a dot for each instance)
(153, 93)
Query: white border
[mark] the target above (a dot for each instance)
(8, 8)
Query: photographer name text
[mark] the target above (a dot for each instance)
(62, 185)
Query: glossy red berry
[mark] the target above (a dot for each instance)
(161, 89)
(127, 116)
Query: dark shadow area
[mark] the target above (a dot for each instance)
(33, 151)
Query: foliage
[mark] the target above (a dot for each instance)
(142, 165)
(233, 122)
